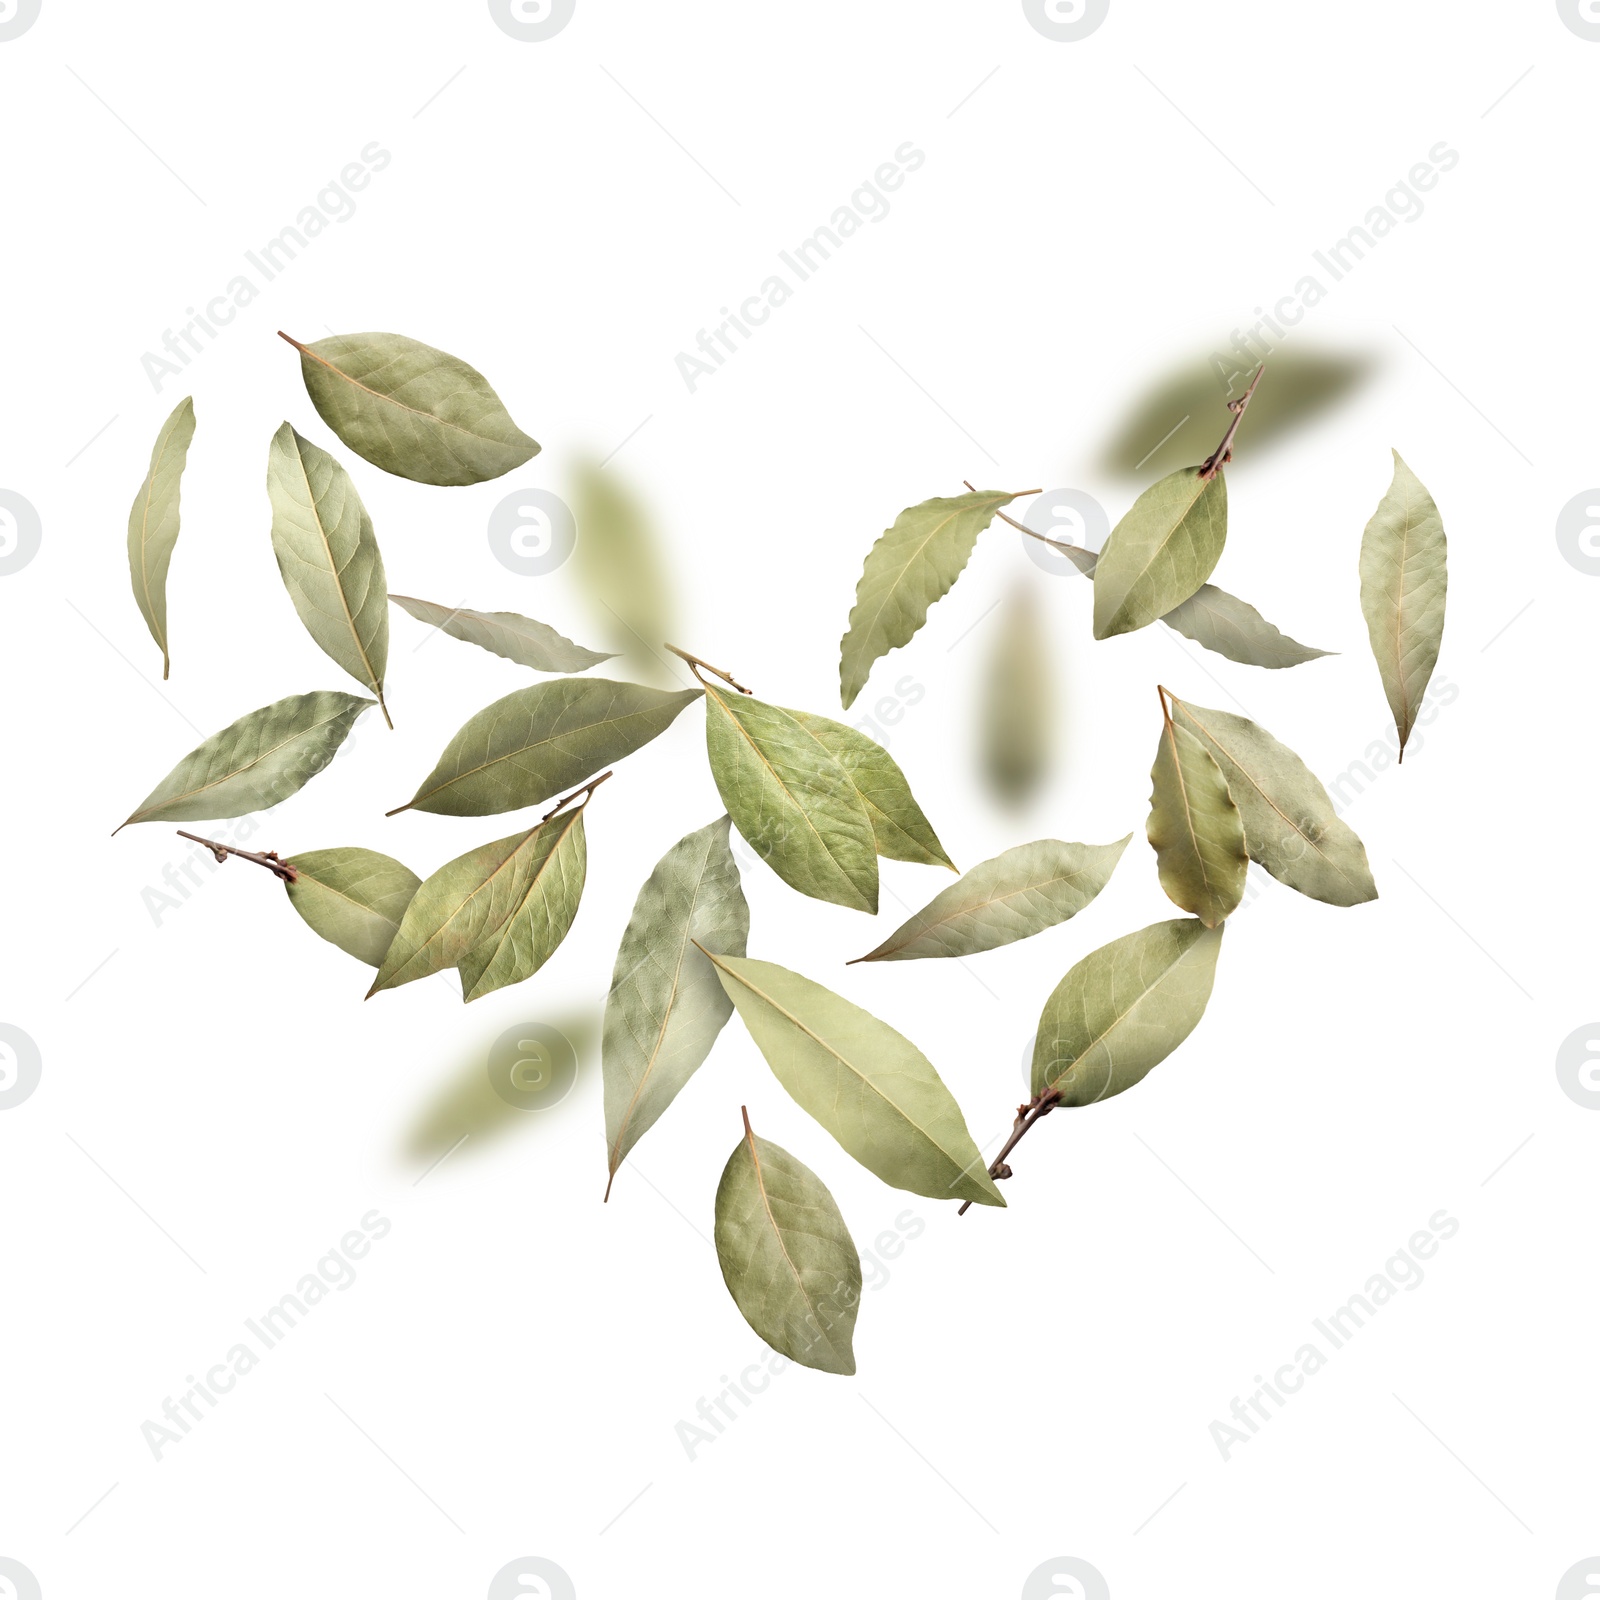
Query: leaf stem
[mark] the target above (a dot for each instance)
(270, 859)
(1161, 694)
(587, 790)
(1028, 1116)
(695, 664)
(1224, 451)
(1022, 527)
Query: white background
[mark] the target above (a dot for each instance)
(506, 1376)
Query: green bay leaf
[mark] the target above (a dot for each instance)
(913, 564)
(505, 633)
(1124, 1009)
(255, 762)
(786, 1255)
(1195, 828)
(153, 523)
(328, 556)
(533, 743)
(1161, 551)
(869, 1086)
(410, 409)
(1019, 893)
(667, 1005)
(353, 898)
(1403, 582)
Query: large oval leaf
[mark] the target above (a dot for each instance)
(913, 564)
(869, 1086)
(667, 1005)
(255, 762)
(1403, 585)
(496, 914)
(1222, 622)
(153, 522)
(1162, 550)
(796, 806)
(1019, 893)
(786, 1255)
(1123, 1009)
(328, 555)
(1290, 826)
(1195, 828)
(520, 639)
(900, 830)
(353, 898)
(535, 742)
(411, 409)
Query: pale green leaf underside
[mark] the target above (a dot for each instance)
(411, 409)
(505, 633)
(353, 898)
(496, 914)
(328, 556)
(797, 808)
(667, 1005)
(1195, 828)
(1124, 1009)
(1403, 583)
(1019, 893)
(536, 742)
(255, 762)
(900, 829)
(1290, 826)
(787, 1257)
(1161, 551)
(870, 1087)
(153, 522)
(912, 565)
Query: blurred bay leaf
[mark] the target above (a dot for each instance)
(1016, 721)
(619, 562)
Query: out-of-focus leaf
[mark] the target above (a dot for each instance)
(1161, 551)
(1017, 717)
(619, 562)
(353, 898)
(153, 522)
(504, 633)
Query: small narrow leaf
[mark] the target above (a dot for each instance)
(1162, 550)
(667, 1005)
(533, 743)
(798, 809)
(1124, 1009)
(520, 639)
(1222, 622)
(787, 1258)
(496, 914)
(1403, 585)
(353, 898)
(1195, 828)
(912, 565)
(153, 522)
(411, 409)
(328, 555)
(1290, 826)
(869, 1086)
(900, 830)
(1016, 895)
(255, 762)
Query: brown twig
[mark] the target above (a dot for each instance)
(695, 664)
(1213, 463)
(270, 859)
(1028, 1116)
(587, 790)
